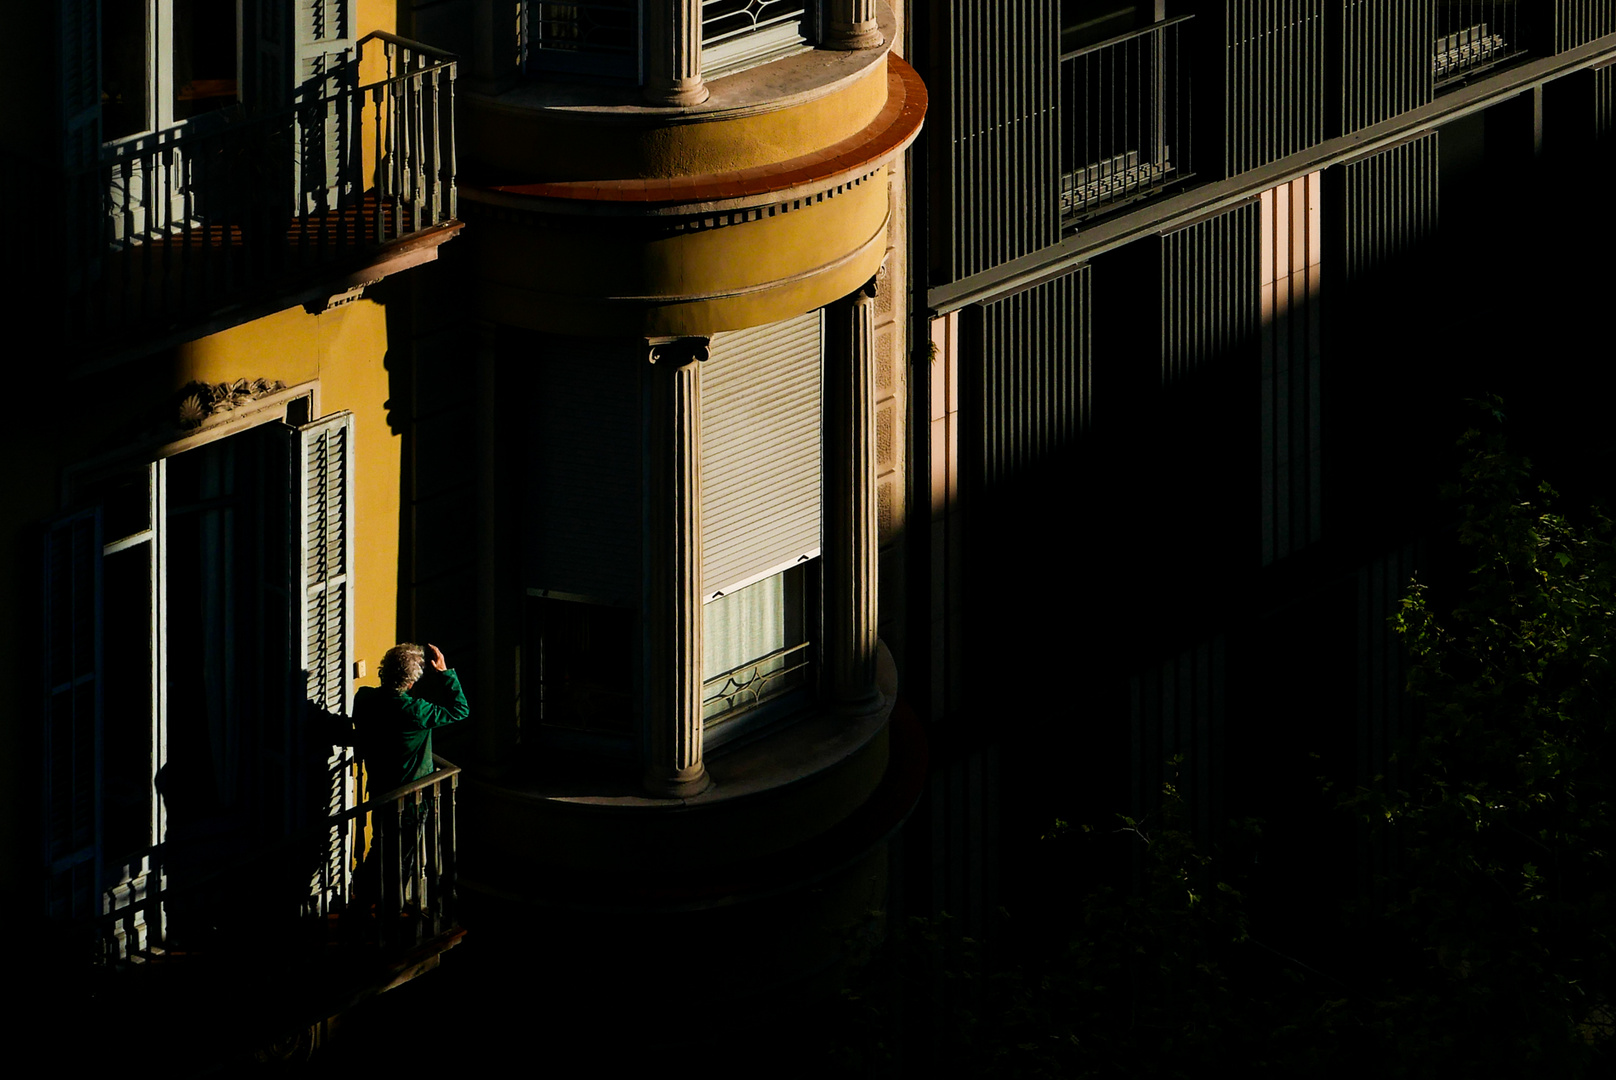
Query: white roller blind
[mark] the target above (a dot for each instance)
(761, 486)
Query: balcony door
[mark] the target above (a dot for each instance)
(197, 624)
(184, 94)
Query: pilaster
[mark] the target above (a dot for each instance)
(673, 614)
(673, 53)
(851, 540)
(852, 25)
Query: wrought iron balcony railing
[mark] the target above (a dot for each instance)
(1125, 131)
(754, 682)
(1473, 35)
(318, 887)
(188, 220)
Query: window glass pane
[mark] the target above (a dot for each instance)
(126, 505)
(204, 57)
(755, 643)
(580, 665)
(129, 661)
(125, 68)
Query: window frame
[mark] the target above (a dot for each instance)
(139, 880)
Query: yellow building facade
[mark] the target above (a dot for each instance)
(629, 450)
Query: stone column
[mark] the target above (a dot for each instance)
(851, 541)
(852, 25)
(673, 53)
(673, 616)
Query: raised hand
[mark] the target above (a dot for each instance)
(437, 657)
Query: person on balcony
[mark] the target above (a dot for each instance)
(393, 722)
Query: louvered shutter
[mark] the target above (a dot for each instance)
(322, 471)
(72, 643)
(325, 62)
(761, 433)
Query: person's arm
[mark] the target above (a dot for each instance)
(437, 700)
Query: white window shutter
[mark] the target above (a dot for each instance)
(322, 470)
(762, 395)
(323, 477)
(72, 646)
(325, 60)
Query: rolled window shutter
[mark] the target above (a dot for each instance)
(761, 433)
(72, 644)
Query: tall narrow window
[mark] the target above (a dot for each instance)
(762, 407)
(203, 586)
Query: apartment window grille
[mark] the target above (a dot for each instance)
(739, 34)
(1472, 36)
(599, 37)
(1124, 120)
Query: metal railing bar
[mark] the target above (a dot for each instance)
(1135, 33)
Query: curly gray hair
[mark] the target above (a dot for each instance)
(402, 665)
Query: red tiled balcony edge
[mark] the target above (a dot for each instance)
(894, 127)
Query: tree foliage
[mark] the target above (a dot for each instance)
(1488, 949)
(1502, 804)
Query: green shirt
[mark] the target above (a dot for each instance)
(393, 729)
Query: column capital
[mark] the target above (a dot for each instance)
(676, 351)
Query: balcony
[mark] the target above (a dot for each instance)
(1471, 37)
(282, 937)
(232, 215)
(1125, 132)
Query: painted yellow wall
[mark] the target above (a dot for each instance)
(116, 415)
(343, 349)
(373, 15)
(565, 279)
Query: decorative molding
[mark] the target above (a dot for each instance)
(663, 223)
(199, 402)
(323, 303)
(678, 351)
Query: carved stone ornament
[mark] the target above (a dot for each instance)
(200, 402)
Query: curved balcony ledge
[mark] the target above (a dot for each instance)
(697, 254)
(886, 136)
(752, 119)
(775, 793)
